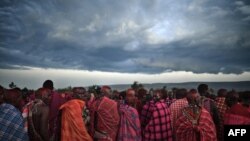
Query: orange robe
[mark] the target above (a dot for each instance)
(72, 125)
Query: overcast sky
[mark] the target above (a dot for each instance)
(81, 42)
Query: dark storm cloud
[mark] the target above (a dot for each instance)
(126, 36)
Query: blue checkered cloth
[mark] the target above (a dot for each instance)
(11, 124)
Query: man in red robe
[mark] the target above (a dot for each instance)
(238, 113)
(155, 120)
(56, 101)
(130, 126)
(222, 107)
(195, 123)
(104, 120)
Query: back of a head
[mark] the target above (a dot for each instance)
(164, 93)
(202, 89)
(181, 93)
(141, 93)
(222, 93)
(245, 98)
(13, 97)
(48, 84)
(122, 95)
(96, 90)
(232, 98)
(115, 94)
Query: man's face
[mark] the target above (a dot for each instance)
(80, 93)
(193, 98)
(130, 97)
(157, 95)
(84, 96)
(106, 92)
(47, 96)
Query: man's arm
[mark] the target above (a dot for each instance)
(45, 123)
(215, 111)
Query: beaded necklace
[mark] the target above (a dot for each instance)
(192, 113)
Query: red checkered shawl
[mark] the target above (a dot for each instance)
(175, 109)
(158, 125)
(146, 113)
(203, 131)
(104, 117)
(130, 126)
(222, 107)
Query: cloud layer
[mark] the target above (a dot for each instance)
(202, 36)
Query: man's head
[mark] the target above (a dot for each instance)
(180, 93)
(44, 94)
(122, 95)
(245, 98)
(106, 91)
(13, 97)
(141, 93)
(232, 98)
(164, 93)
(222, 93)
(130, 96)
(193, 97)
(116, 95)
(203, 89)
(95, 91)
(80, 93)
(157, 95)
(48, 84)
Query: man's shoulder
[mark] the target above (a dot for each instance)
(10, 113)
(207, 99)
(8, 108)
(179, 102)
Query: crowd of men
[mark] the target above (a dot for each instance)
(135, 114)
